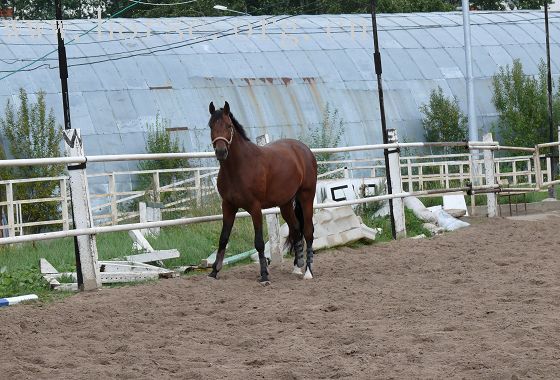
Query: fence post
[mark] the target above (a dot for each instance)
(86, 258)
(472, 179)
(491, 199)
(64, 204)
(396, 184)
(113, 195)
(537, 165)
(10, 208)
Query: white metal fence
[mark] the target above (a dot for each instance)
(114, 207)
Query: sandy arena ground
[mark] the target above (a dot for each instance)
(479, 303)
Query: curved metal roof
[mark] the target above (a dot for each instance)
(277, 79)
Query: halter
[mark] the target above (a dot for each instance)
(228, 142)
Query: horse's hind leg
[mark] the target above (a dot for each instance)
(295, 238)
(256, 215)
(306, 201)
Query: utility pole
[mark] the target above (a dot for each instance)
(378, 72)
(473, 129)
(63, 70)
(553, 158)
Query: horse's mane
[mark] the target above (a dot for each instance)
(238, 127)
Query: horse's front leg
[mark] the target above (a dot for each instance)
(228, 212)
(256, 215)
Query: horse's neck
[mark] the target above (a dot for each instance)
(242, 153)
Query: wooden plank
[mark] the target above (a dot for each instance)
(68, 287)
(154, 256)
(139, 239)
(125, 266)
(117, 277)
(46, 267)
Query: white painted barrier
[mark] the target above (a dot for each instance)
(15, 300)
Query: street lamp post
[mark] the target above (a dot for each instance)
(553, 161)
(226, 9)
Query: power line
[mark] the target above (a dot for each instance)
(221, 34)
(162, 4)
(44, 57)
(52, 51)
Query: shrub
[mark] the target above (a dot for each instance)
(443, 121)
(522, 105)
(159, 140)
(327, 135)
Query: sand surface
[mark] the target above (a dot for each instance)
(479, 303)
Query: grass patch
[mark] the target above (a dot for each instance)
(413, 225)
(19, 263)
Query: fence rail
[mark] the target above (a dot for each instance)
(418, 174)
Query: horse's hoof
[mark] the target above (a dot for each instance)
(297, 270)
(308, 275)
(264, 283)
(213, 275)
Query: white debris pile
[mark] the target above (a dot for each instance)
(333, 227)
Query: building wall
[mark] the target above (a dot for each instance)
(277, 82)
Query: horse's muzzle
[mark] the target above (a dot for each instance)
(221, 153)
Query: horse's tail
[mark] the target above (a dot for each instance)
(295, 241)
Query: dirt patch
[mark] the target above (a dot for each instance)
(482, 303)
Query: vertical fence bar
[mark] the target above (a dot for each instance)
(113, 195)
(537, 165)
(64, 205)
(530, 170)
(396, 184)
(198, 186)
(409, 169)
(491, 199)
(472, 178)
(157, 195)
(548, 169)
(10, 208)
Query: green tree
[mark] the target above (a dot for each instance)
(44, 9)
(522, 105)
(32, 133)
(499, 5)
(159, 140)
(443, 120)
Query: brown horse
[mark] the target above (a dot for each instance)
(283, 173)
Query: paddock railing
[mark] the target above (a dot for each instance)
(116, 206)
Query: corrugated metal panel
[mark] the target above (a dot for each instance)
(275, 84)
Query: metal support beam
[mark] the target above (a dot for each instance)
(378, 72)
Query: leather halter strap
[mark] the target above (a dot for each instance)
(228, 142)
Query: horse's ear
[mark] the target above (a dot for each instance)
(226, 109)
(211, 108)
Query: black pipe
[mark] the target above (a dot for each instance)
(63, 70)
(378, 72)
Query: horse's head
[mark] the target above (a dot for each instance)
(221, 130)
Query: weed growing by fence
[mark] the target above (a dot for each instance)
(326, 135)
